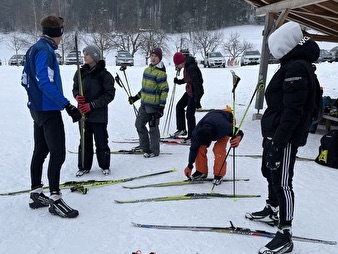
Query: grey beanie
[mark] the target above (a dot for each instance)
(94, 52)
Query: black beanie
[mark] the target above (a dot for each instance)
(52, 26)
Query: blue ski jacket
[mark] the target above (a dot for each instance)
(41, 77)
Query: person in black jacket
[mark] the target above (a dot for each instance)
(191, 99)
(291, 99)
(98, 92)
(216, 125)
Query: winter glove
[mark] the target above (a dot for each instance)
(198, 104)
(179, 81)
(80, 99)
(84, 108)
(73, 112)
(159, 113)
(133, 99)
(274, 156)
(187, 171)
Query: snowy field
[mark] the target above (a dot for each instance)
(104, 226)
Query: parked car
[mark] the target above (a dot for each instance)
(214, 59)
(17, 60)
(250, 57)
(272, 59)
(325, 56)
(334, 52)
(71, 58)
(59, 58)
(124, 58)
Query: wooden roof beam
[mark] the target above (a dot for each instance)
(286, 4)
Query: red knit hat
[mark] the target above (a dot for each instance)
(179, 58)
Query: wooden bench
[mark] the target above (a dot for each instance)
(328, 121)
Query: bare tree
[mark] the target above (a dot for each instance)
(128, 40)
(16, 42)
(104, 41)
(206, 41)
(151, 39)
(234, 47)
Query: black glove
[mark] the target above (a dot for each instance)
(159, 113)
(73, 112)
(133, 99)
(274, 156)
(198, 104)
(179, 81)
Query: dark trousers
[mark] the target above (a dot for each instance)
(100, 134)
(186, 102)
(280, 189)
(49, 137)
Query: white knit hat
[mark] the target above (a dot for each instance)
(284, 39)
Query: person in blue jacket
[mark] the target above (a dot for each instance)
(42, 81)
(216, 125)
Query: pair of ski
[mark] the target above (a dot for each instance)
(130, 152)
(171, 140)
(80, 185)
(231, 230)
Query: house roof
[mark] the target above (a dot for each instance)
(318, 15)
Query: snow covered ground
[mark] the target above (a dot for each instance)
(105, 227)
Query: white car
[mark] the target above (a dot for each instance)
(250, 57)
(71, 58)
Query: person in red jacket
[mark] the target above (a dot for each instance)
(191, 99)
(216, 125)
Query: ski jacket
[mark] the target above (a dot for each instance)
(192, 76)
(154, 91)
(291, 96)
(98, 89)
(41, 77)
(220, 122)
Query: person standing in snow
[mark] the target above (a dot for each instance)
(98, 92)
(216, 125)
(153, 95)
(291, 99)
(191, 99)
(42, 81)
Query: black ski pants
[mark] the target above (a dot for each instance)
(49, 137)
(186, 102)
(280, 189)
(100, 134)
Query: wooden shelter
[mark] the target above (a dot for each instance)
(318, 18)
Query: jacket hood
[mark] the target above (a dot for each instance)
(307, 49)
(190, 60)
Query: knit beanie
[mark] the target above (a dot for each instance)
(179, 58)
(204, 135)
(52, 26)
(158, 52)
(284, 39)
(94, 52)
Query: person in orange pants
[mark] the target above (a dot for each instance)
(216, 125)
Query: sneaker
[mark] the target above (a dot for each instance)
(149, 155)
(137, 149)
(105, 171)
(58, 206)
(217, 180)
(38, 199)
(82, 172)
(281, 243)
(179, 133)
(198, 176)
(268, 215)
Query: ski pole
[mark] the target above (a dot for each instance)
(83, 116)
(171, 104)
(120, 83)
(235, 81)
(259, 87)
(123, 69)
